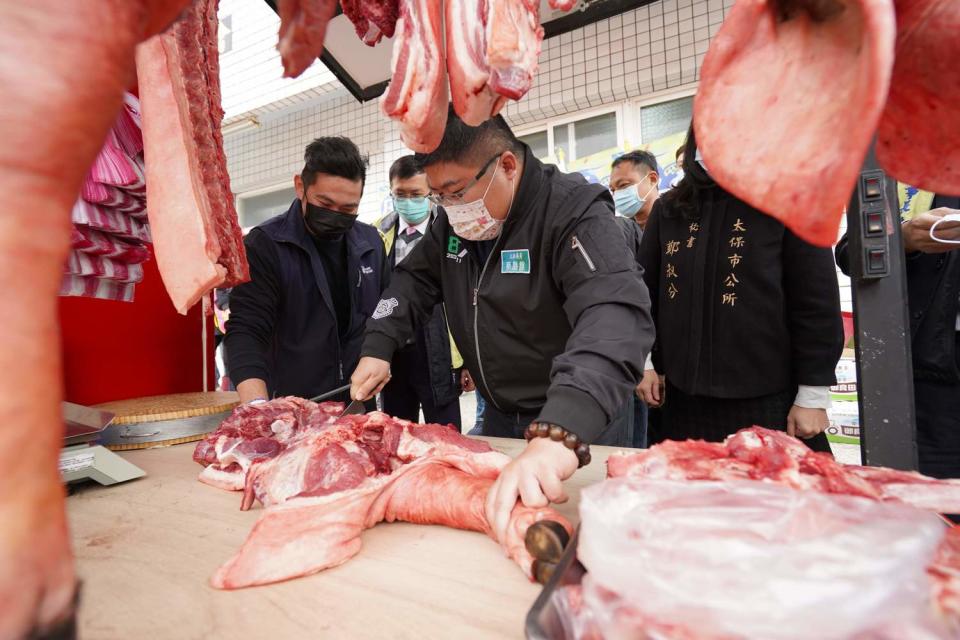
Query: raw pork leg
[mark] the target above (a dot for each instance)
(66, 64)
(919, 137)
(197, 239)
(306, 535)
(787, 108)
(303, 26)
(513, 46)
(473, 98)
(417, 95)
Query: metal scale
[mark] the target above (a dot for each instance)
(81, 458)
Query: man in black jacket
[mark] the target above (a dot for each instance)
(933, 289)
(542, 295)
(427, 372)
(315, 277)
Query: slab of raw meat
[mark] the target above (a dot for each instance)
(466, 29)
(373, 19)
(762, 454)
(66, 64)
(257, 432)
(787, 107)
(197, 239)
(917, 142)
(303, 26)
(513, 45)
(331, 483)
(417, 95)
(703, 555)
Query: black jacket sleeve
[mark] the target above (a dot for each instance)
(408, 302)
(842, 254)
(813, 311)
(609, 310)
(649, 260)
(253, 311)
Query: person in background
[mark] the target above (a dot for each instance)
(634, 179)
(428, 371)
(933, 292)
(634, 182)
(541, 294)
(748, 319)
(316, 275)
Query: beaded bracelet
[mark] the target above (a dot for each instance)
(559, 434)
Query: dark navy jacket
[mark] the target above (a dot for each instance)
(283, 327)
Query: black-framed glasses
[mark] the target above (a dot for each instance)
(455, 199)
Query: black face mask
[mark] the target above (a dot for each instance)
(324, 224)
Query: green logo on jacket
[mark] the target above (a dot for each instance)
(453, 244)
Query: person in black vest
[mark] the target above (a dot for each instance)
(316, 275)
(748, 319)
(933, 292)
(543, 298)
(428, 371)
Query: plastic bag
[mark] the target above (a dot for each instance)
(744, 559)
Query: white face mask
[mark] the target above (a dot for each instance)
(699, 158)
(472, 220)
(950, 217)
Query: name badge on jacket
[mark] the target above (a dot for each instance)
(515, 261)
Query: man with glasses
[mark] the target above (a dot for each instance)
(428, 371)
(543, 298)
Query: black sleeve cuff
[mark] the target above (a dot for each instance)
(575, 411)
(377, 345)
(239, 374)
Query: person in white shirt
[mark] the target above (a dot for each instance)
(427, 373)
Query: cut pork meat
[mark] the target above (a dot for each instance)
(254, 433)
(331, 483)
(513, 45)
(761, 454)
(373, 19)
(417, 95)
(787, 107)
(466, 28)
(917, 139)
(303, 26)
(197, 239)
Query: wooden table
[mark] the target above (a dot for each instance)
(146, 550)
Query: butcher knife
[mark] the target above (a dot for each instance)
(354, 408)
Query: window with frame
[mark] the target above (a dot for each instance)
(570, 141)
(254, 209)
(665, 118)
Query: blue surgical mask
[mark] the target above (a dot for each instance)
(412, 210)
(628, 201)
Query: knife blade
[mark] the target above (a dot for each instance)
(355, 408)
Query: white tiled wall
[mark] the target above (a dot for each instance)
(641, 52)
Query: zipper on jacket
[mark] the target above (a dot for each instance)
(476, 313)
(577, 246)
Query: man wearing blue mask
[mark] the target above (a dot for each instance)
(316, 274)
(427, 372)
(542, 295)
(634, 182)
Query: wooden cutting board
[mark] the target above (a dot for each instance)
(165, 420)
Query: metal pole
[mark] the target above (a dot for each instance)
(882, 322)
